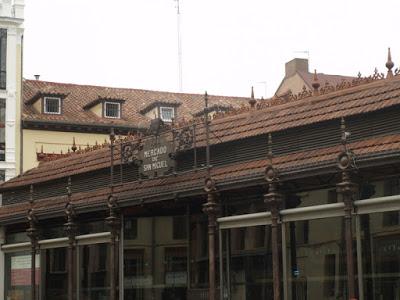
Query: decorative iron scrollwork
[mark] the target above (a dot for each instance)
(130, 152)
(184, 138)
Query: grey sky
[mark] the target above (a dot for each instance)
(228, 45)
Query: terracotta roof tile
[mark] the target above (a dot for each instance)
(191, 180)
(357, 100)
(79, 96)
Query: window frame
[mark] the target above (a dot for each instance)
(45, 106)
(167, 108)
(105, 110)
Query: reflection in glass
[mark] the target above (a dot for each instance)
(316, 259)
(380, 241)
(55, 279)
(155, 258)
(18, 275)
(94, 277)
(249, 273)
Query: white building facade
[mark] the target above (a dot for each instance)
(11, 43)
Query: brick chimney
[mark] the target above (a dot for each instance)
(297, 64)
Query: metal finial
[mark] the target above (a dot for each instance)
(345, 134)
(31, 194)
(69, 192)
(389, 65)
(73, 148)
(112, 135)
(252, 101)
(270, 154)
(315, 83)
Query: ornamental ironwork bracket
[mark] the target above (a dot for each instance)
(130, 151)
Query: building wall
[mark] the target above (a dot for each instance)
(11, 18)
(294, 83)
(54, 141)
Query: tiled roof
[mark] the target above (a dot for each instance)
(194, 180)
(76, 97)
(343, 103)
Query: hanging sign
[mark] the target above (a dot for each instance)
(156, 156)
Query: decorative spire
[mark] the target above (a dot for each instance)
(270, 154)
(31, 194)
(345, 134)
(207, 129)
(315, 83)
(389, 65)
(73, 148)
(69, 192)
(252, 101)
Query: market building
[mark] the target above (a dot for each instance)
(286, 198)
(54, 114)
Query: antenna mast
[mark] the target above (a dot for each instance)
(179, 45)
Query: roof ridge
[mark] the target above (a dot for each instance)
(126, 88)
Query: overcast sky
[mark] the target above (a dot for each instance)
(228, 45)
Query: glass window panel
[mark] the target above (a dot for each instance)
(94, 277)
(18, 275)
(155, 264)
(250, 263)
(52, 105)
(380, 256)
(112, 110)
(167, 113)
(55, 279)
(316, 259)
(3, 58)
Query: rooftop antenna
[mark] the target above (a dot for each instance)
(178, 18)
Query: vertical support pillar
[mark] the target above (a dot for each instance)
(114, 222)
(274, 200)
(70, 229)
(32, 233)
(347, 189)
(211, 209)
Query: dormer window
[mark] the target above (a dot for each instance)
(52, 105)
(167, 113)
(112, 110)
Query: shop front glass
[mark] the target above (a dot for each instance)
(155, 258)
(247, 271)
(94, 277)
(18, 275)
(380, 243)
(316, 259)
(54, 282)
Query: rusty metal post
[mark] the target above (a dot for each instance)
(347, 189)
(70, 229)
(32, 233)
(113, 221)
(274, 199)
(211, 209)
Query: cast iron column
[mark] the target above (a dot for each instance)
(347, 189)
(211, 208)
(70, 228)
(32, 233)
(113, 222)
(274, 199)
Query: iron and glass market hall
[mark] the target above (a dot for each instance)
(294, 197)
